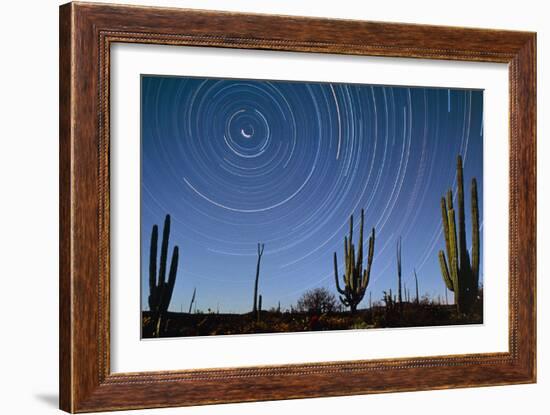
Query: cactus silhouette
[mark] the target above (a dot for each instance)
(260, 253)
(460, 275)
(160, 290)
(391, 310)
(399, 279)
(192, 300)
(416, 286)
(259, 311)
(355, 278)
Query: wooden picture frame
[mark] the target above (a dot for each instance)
(86, 33)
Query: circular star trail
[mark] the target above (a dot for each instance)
(237, 162)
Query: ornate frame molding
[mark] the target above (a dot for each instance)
(86, 33)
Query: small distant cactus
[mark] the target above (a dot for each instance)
(389, 301)
(391, 308)
(355, 278)
(160, 290)
(460, 275)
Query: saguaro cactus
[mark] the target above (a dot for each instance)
(460, 275)
(391, 310)
(160, 290)
(355, 278)
(399, 294)
(260, 253)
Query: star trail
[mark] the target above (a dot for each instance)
(237, 162)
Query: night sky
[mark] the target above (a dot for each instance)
(237, 162)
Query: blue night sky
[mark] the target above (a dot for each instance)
(237, 162)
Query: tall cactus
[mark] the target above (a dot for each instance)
(460, 275)
(416, 286)
(260, 253)
(399, 294)
(355, 278)
(391, 310)
(160, 290)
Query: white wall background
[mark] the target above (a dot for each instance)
(29, 205)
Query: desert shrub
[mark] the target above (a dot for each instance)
(317, 301)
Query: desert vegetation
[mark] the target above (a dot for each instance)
(461, 275)
(160, 290)
(318, 308)
(355, 278)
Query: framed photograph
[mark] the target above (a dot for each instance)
(260, 207)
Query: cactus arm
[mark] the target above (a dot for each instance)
(371, 247)
(167, 288)
(172, 275)
(366, 278)
(416, 286)
(359, 263)
(192, 299)
(352, 279)
(349, 268)
(399, 270)
(445, 271)
(350, 230)
(336, 275)
(346, 251)
(346, 261)
(475, 235)
(366, 272)
(453, 254)
(453, 259)
(457, 284)
(153, 259)
(164, 250)
(461, 231)
(445, 222)
(153, 267)
(449, 200)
